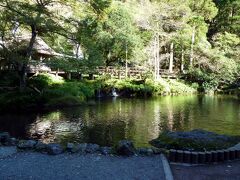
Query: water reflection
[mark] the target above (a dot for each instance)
(140, 120)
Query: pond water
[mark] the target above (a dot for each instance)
(107, 121)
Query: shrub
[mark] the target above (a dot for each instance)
(44, 80)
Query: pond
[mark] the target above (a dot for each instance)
(106, 121)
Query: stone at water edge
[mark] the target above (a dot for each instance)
(70, 146)
(54, 149)
(40, 147)
(12, 142)
(92, 148)
(106, 150)
(4, 137)
(79, 148)
(125, 148)
(145, 151)
(26, 144)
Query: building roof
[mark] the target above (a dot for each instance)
(40, 46)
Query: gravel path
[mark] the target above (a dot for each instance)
(222, 171)
(38, 166)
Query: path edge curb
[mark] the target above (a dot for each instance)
(166, 168)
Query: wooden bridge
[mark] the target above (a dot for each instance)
(110, 71)
(134, 72)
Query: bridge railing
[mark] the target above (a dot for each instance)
(114, 72)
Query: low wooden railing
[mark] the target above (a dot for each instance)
(113, 72)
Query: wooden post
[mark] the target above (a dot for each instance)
(91, 77)
(80, 76)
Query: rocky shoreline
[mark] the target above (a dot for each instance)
(123, 148)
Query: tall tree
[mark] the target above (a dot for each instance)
(36, 17)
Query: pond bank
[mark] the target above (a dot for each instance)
(122, 148)
(49, 91)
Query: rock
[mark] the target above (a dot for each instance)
(40, 147)
(145, 151)
(92, 148)
(54, 149)
(79, 148)
(4, 137)
(12, 142)
(70, 146)
(105, 150)
(26, 144)
(125, 148)
(7, 151)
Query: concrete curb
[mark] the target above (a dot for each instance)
(166, 168)
(225, 155)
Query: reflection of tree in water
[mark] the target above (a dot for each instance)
(64, 127)
(178, 113)
(104, 134)
(140, 120)
(54, 127)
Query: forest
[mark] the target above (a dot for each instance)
(196, 41)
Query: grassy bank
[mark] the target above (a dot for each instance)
(149, 87)
(47, 90)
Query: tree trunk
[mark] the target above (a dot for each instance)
(23, 67)
(77, 50)
(192, 46)
(158, 58)
(22, 77)
(126, 63)
(155, 57)
(171, 59)
(182, 61)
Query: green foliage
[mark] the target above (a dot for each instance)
(227, 18)
(19, 100)
(8, 79)
(109, 32)
(54, 92)
(214, 71)
(229, 44)
(206, 81)
(204, 8)
(42, 81)
(106, 40)
(77, 89)
(150, 87)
